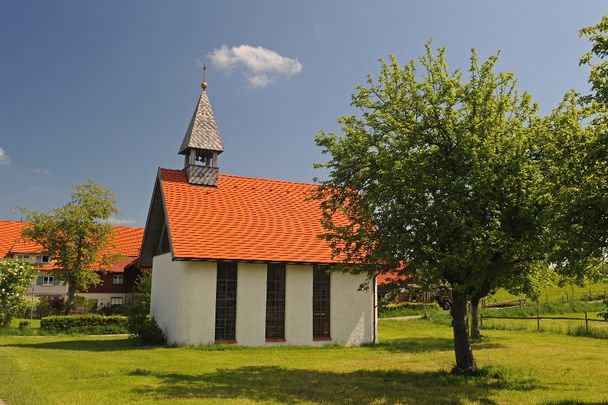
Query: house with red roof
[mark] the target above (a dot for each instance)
(239, 259)
(116, 284)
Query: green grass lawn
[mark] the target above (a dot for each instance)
(411, 365)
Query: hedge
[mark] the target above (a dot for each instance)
(89, 323)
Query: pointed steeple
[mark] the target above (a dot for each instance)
(202, 143)
(202, 132)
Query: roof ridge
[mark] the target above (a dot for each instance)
(254, 178)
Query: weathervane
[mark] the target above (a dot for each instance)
(204, 83)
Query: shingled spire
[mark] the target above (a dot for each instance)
(202, 143)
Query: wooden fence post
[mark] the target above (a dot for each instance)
(537, 320)
(586, 322)
(480, 321)
(567, 296)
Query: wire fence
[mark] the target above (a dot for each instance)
(538, 319)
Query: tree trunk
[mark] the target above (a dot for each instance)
(475, 333)
(70, 302)
(465, 362)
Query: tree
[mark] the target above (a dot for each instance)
(15, 277)
(439, 173)
(76, 236)
(576, 158)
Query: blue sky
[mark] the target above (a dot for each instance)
(105, 90)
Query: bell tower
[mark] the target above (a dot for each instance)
(202, 143)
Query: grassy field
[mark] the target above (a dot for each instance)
(411, 365)
(558, 295)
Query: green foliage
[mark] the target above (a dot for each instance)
(90, 323)
(24, 325)
(76, 236)
(440, 172)
(15, 277)
(576, 155)
(604, 314)
(140, 323)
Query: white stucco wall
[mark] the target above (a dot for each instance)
(183, 300)
(183, 304)
(251, 304)
(298, 305)
(352, 312)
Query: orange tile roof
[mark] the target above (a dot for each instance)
(127, 242)
(10, 232)
(244, 218)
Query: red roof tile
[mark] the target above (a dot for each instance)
(244, 218)
(127, 242)
(10, 232)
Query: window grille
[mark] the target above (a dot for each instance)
(225, 301)
(275, 301)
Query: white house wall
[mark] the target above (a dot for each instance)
(183, 304)
(183, 300)
(250, 304)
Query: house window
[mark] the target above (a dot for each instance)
(115, 301)
(117, 279)
(45, 281)
(320, 302)
(42, 259)
(275, 301)
(225, 302)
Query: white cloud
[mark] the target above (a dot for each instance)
(121, 221)
(260, 66)
(40, 171)
(4, 158)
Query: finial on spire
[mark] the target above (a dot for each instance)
(204, 83)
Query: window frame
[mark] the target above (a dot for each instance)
(112, 304)
(47, 281)
(226, 302)
(120, 277)
(321, 303)
(275, 302)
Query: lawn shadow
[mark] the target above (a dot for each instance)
(271, 383)
(79, 344)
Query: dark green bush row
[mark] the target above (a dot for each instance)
(90, 323)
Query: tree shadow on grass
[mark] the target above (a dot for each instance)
(79, 344)
(259, 383)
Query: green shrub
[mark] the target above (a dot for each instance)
(24, 325)
(90, 323)
(150, 333)
(15, 278)
(140, 323)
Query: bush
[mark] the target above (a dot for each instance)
(24, 325)
(141, 324)
(150, 333)
(91, 323)
(15, 277)
(50, 305)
